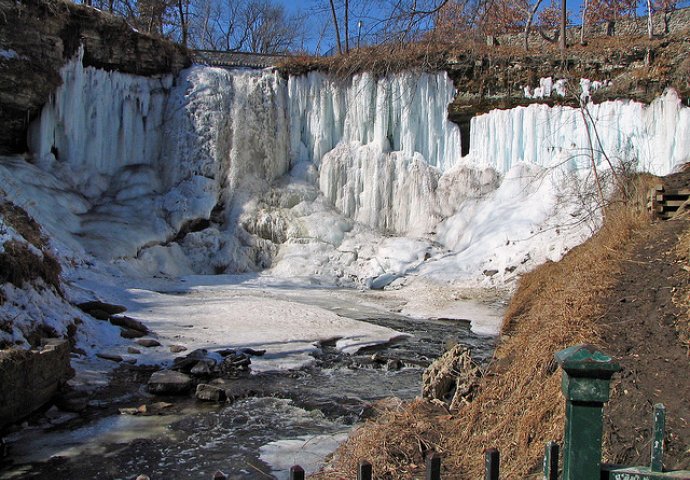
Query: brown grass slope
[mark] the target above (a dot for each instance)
(519, 406)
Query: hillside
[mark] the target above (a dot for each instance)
(626, 291)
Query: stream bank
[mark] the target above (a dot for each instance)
(278, 418)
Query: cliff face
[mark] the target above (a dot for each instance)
(637, 69)
(38, 36)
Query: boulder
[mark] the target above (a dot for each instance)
(101, 310)
(148, 342)
(177, 348)
(109, 356)
(209, 393)
(72, 401)
(204, 368)
(234, 364)
(130, 333)
(394, 364)
(169, 382)
(188, 362)
(129, 323)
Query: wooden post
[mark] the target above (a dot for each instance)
(492, 464)
(551, 461)
(296, 473)
(364, 471)
(657, 464)
(433, 467)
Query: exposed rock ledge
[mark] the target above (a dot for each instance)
(38, 36)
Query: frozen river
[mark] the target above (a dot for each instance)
(292, 413)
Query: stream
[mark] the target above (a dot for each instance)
(279, 418)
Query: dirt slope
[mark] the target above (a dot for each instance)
(641, 328)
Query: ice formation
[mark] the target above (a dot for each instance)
(229, 170)
(356, 181)
(649, 138)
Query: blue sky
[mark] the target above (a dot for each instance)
(314, 21)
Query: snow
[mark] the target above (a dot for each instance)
(8, 54)
(224, 315)
(307, 451)
(312, 180)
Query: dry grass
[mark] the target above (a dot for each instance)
(519, 406)
(22, 223)
(379, 60)
(18, 263)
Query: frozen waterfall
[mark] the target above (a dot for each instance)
(653, 138)
(225, 170)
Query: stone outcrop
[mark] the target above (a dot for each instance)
(30, 378)
(37, 37)
(169, 382)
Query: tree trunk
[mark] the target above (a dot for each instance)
(564, 21)
(585, 4)
(183, 22)
(650, 24)
(347, 26)
(667, 23)
(337, 30)
(610, 28)
(528, 24)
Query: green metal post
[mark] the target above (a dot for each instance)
(551, 461)
(585, 385)
(658, 439)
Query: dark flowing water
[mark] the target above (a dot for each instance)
(286, 418)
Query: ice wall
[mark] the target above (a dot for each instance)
(97, 124)
(405, 112)
(654, 136)
(380, 145)
(227, 170)
(151, 155)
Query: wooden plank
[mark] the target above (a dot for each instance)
(659, 187)
(674, 203)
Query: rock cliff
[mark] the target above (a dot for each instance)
(38, 36)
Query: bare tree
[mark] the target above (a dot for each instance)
(260, 26)
(609, 11)
(336, 28)
(667, 7)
